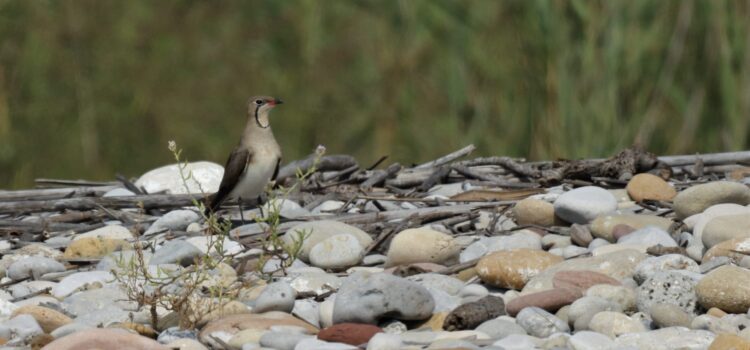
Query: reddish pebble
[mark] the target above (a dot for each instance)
(550, 300)
(349, 333)
(581, 280)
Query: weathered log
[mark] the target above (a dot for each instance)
(55, 193)
(88, 203)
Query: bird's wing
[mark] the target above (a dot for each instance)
(233, 170)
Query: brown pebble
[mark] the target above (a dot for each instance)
(550, 300)
(716, 312)
(580, 235)
(349, 333)
(471, 315)
(581, 280)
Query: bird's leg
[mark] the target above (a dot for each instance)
(260, 205)
(242, 215)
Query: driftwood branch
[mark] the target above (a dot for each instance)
(89, 203)
(326, 163)
(447, 158)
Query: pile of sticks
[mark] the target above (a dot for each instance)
(388, 198)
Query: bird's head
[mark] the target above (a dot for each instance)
(259, 106)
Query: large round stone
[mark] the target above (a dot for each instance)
(618, 265)
(726, 288)
(584, 204)
(513, 268)
(365, 298)
(422, 245)
(205, 175)
(697, 198)
(647, 186)
(311, 233)
(532, 211)
(724, 228)
(603, 226)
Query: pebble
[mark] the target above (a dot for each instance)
(697, 198)
(603, 226)
(33, 267)
(422, 245)
(647, 186)
(726, 227)
(314, 232)
(175, 220)
(176, 252)
(584, 204)
(618, 265)
(700, 220)
(549, 300)
(667, 339)
(337, 252)
(614, 324)
(532, 211)
(668, 287)
(109, 231)
(227, 326)
(47, 318)
(23, 327)
(513, 268)
(105, 339)
(517, 342)
(540, 323)
(519, 240)
(282, 340)
(725, 288)
(621, 295)
(366, 298)
(206, 176)
(648, 236)
(586, 340)
(669, 315)
(383, 341)
(94, 247)
(726, 341)
(652, 265)
(277, 296)
(729, 248)
(81, 280)
(583, 310)
(349, 333)
(500, 327)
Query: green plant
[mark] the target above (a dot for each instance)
(273, 245)
(185, 291)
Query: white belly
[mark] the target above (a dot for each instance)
(255, 179)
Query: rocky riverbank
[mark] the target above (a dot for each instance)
(631, 252)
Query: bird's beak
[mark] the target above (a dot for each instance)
(278, 101)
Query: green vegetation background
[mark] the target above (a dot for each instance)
(93, 87)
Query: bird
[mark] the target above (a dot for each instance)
(255, 161)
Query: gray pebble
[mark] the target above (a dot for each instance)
(277, 296)
(540, 323)
(282, 340)
(667, 287)
(176, 252)
(500, 327)
(367, 298)
(33, 267)
(668, 315)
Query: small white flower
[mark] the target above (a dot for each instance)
(172, 145)
(320, 150)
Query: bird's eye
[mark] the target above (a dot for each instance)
(258, 102)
